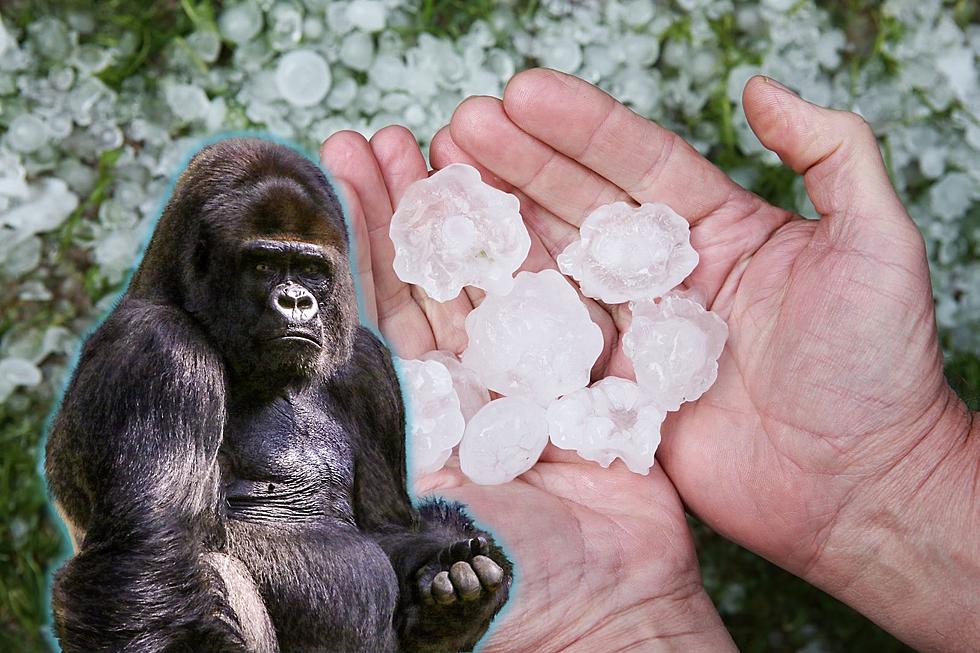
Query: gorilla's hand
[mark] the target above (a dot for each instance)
(603, 558)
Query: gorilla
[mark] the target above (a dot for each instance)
(229, 454)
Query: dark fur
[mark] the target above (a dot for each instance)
(180, 434)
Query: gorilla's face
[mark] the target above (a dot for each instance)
(286, 300)
(275, 291)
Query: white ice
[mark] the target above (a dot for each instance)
(472, 394)
(503, 440)
(614, 418)
(674, 346)
(27, 133)
(630, 253)
(434, 419)
(537, 341)
(303, 77)
(452, 230)
(239, 23)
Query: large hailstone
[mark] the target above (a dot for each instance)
(503, 440)
(452, 230)
(537, 341)
(674, 345)
(434, 419)
(472, 395)
(614, 418)
(630, 253)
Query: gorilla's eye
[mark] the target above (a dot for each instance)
(311, 268)
(262, 267)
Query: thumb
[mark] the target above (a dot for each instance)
(837, 154)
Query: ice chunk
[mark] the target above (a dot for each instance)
(286, 27)
(503, 440)
(19, 372)
(674, 345)
(367, 15)
(435, 422)
(537, 341)
(614, 418)
(188, 102)
(303, 77)
(241, 22)
(27, 133)
(357, 51)
(472, 395)
(452, 230)
(45, 208)
(630, 253)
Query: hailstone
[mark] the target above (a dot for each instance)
(674, 345)
(503, 440)
(472, 394)
(537, 341)
(452, 230)
(614, 418)
(630, 253)
(434, 419)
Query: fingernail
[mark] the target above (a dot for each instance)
(770, 80)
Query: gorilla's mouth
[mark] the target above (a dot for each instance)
(298, 337)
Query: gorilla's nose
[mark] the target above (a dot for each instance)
(294, 302)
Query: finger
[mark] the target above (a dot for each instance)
(399, 159)
(401, 164)
(835, 151)
(571, 191)
(587, 125)
(362, 252)
(442, 589)
(465, 581)
(444, 151)
(488, 571)
(479, 546)
(349, 157)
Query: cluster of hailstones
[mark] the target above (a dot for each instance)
(531, 339)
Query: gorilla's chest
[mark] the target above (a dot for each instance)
(289, 459)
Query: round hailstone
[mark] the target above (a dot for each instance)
(367, 15)
(503, 440)
(434, 420)
(614, 418)
(303, 78)
(472, 395)
(537, 341)
(630, 253)
(27, 133)
(241, 22)
(674, 345)
(452, 230)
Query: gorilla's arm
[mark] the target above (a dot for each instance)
(131, 459)
(417, 541)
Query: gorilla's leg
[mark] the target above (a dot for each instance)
(246, 602)
(326, 587)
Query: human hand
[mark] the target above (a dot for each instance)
(831, 442)
(604, 559)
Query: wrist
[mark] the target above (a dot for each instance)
(904, 550)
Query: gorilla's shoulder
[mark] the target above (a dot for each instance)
(140, 334)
